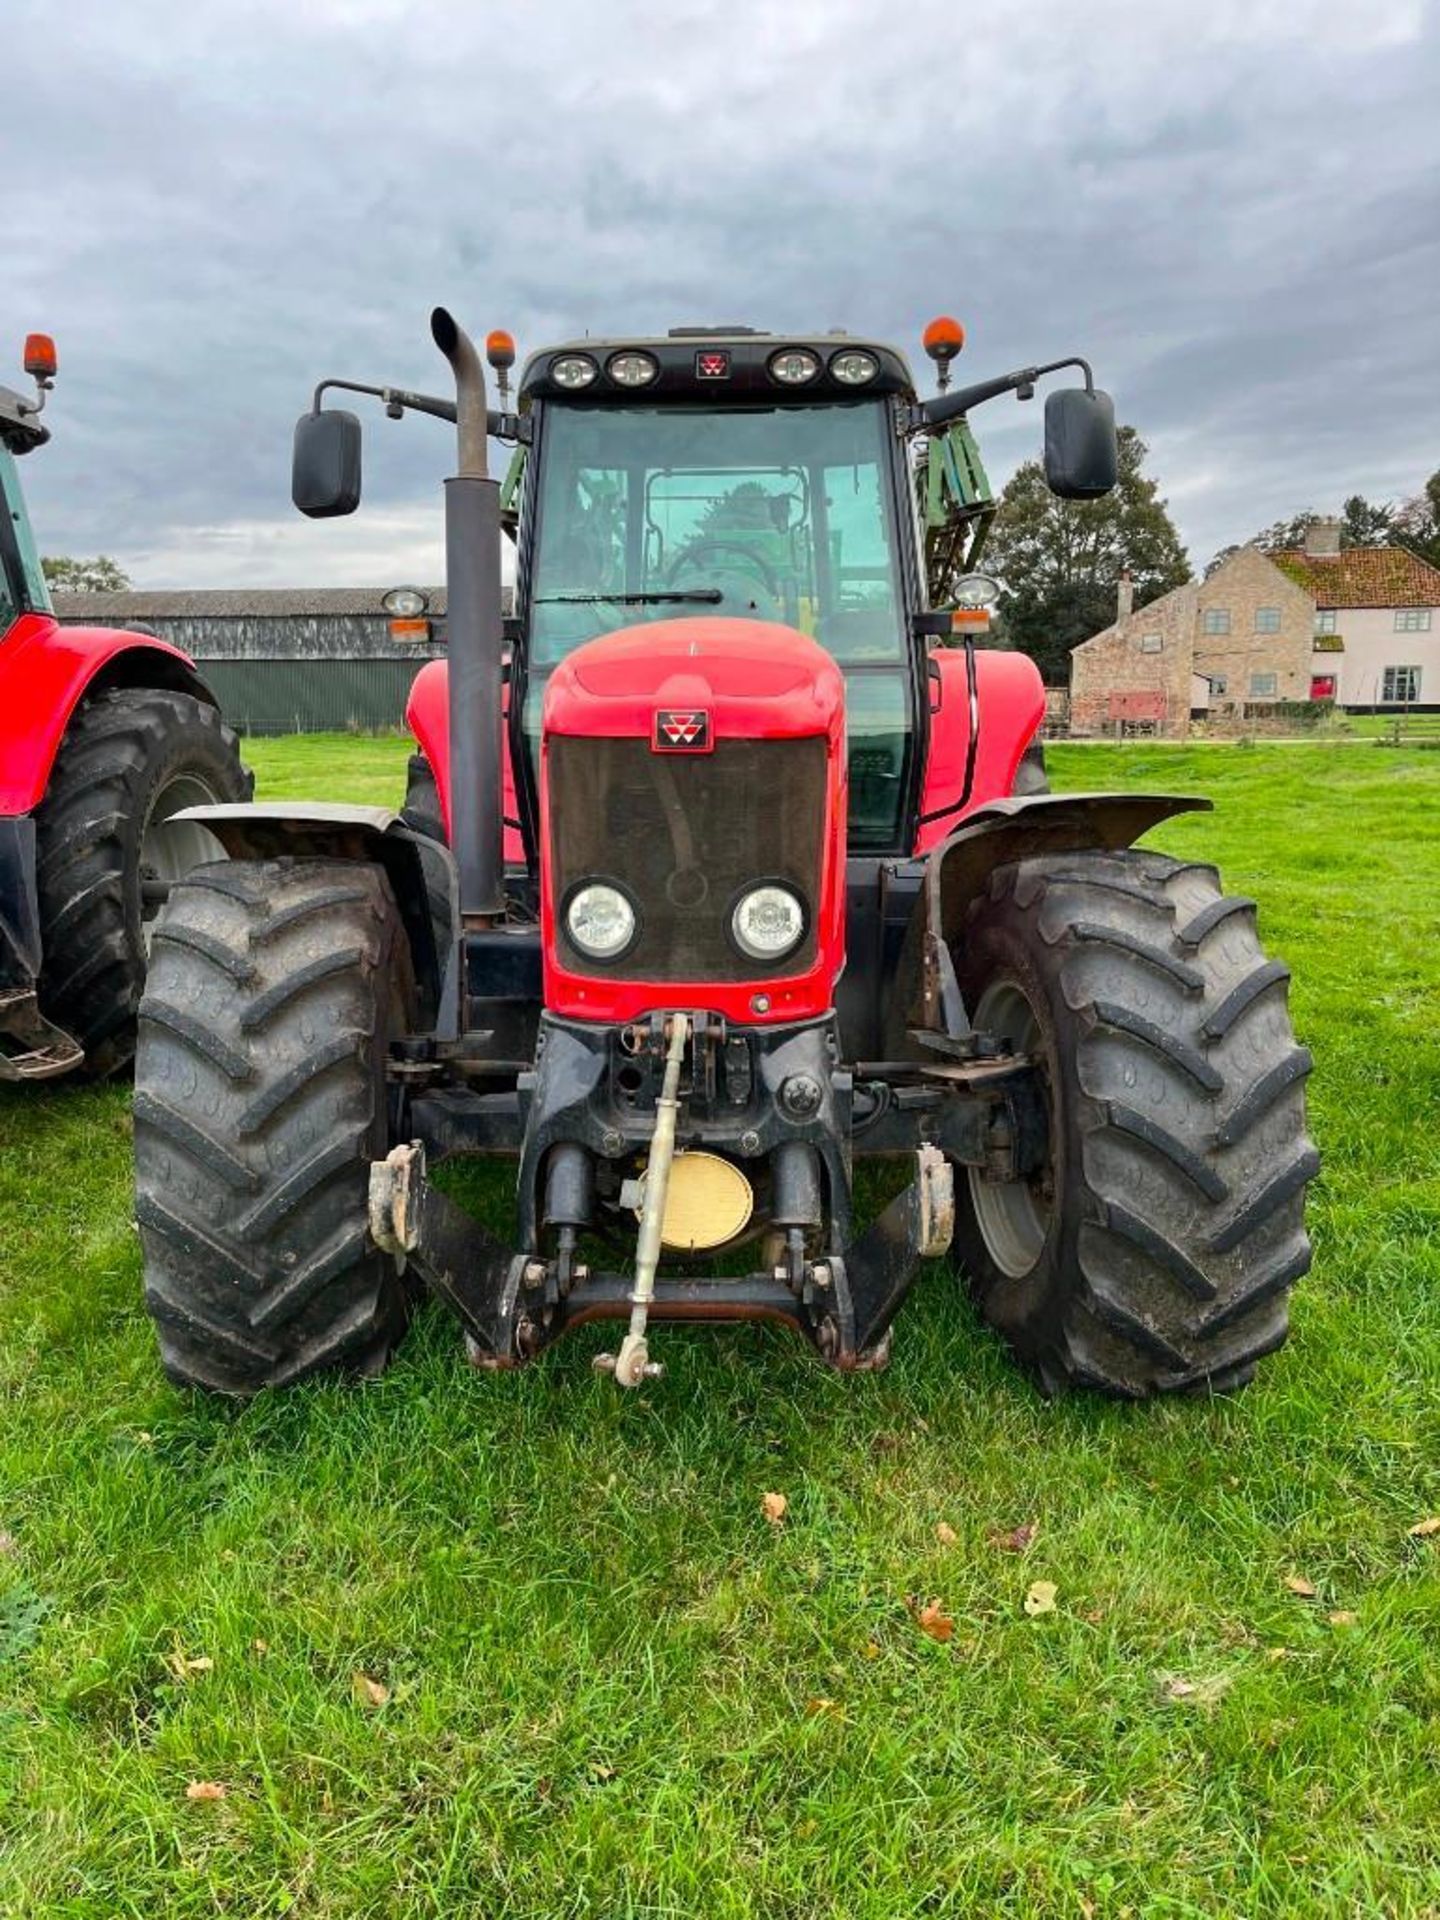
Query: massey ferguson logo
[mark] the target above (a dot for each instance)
(682, 730)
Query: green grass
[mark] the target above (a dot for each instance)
(614, 1689)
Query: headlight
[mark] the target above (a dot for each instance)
(793, 366)
(632, 369)
(600, 921)
(767, 922)
(977, 590)
(573, 370)
(405, 603)
(852, 366)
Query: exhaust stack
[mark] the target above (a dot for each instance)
(473, 622)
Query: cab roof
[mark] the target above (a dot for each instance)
(20, 430)
(716, 365)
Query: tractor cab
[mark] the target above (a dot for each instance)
(744, 475)
(22, 581)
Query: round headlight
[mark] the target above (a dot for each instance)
(793, 366)
(573, 371)
(600, 921)
(767, 922)
(977, 590)
(632, 369)
(405, 603)
(852, 366)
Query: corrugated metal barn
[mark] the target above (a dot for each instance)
(282, 660)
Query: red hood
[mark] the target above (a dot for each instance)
(753, 677)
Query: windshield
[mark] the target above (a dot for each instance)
(778, 513)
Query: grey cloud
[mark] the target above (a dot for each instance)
(1231, 209)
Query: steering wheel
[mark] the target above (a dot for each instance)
(690, 558)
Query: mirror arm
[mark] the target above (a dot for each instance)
(950, 406)
(398, 400)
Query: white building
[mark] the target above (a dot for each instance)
(1377, 621)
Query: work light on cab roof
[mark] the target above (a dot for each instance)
(727, 857)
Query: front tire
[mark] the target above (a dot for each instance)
(275, 989)
(107, 849)
(1155, 1249)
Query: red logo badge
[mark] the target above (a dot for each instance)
(682, 730)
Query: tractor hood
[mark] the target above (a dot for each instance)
(750, 679)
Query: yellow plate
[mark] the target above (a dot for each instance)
(708, 1202)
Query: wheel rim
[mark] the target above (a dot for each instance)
(1013, 1215)
(169, 848)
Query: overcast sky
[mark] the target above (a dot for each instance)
(1232, 208)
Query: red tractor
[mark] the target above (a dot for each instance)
(105, 738)
(713, 878)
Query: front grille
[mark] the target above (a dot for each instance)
(685, 835)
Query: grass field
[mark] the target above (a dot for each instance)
(457, 1645)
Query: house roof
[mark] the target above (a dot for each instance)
(1363, 577)
(242, 603)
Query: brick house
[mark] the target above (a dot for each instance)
(1264, 630)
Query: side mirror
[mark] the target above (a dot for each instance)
(325, 469)
(1082, 459)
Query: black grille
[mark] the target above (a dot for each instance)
(685, 835)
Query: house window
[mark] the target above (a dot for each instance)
(1263, 686)
(1219, 684)
(1412, 620)
(1325, 622)
(1400, 686)
(1216, 620)
(1150, 643)
(1267, 619)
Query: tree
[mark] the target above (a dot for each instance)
(1061, 560)
(100, 575)
(1417, 522)
(1363, 523)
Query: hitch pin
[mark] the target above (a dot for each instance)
(633, 1364)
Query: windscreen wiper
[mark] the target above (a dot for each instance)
(688, 596)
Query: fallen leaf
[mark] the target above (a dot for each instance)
(1277, 1653)
(1041, 1598)
(8, 1542)
(182, 1665)
(368, 1692)
(946, 1534)
(206, 1790)
(871, 1649)
(933, 1619)
(1298, 1584)
(1423, 1529)
(599, 1771)
(774, 1507)
(259, 1646)
(1343, 1617)
(1204, 1692)
(822, 1705)
(1012, 1539)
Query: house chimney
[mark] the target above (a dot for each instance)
(1124, 598)
(1322, 537)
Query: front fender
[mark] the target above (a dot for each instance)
(322, 830)
(1021, 828)
(45, 672)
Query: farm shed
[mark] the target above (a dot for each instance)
(282, 660)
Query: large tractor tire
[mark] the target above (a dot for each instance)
(275, 989)
(107, 849)
(1154, 1249)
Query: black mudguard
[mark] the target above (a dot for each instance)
(925, 996)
